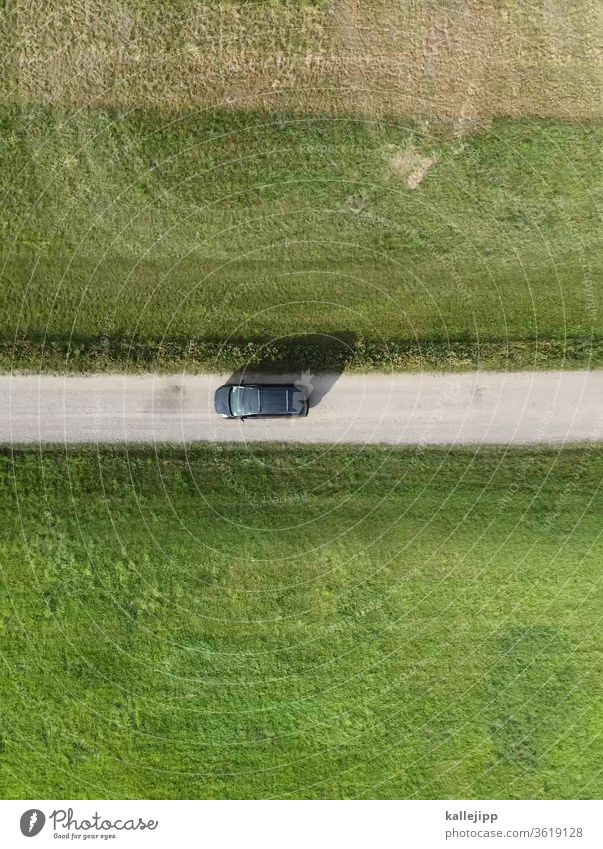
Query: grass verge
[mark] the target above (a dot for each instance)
(260, 622)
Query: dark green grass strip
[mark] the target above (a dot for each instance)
(313, 351)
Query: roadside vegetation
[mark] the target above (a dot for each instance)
(213, 239)
(267, 622)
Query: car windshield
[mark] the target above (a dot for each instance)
(244, 401)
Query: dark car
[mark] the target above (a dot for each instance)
(254, 400)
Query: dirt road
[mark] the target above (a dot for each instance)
(450, 409)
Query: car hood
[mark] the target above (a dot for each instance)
(222, 399)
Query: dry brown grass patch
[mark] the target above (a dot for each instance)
(459, 61)
(410, 165)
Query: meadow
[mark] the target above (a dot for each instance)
(213, 239)
(453, 62)
(253, 622)
(300, 183)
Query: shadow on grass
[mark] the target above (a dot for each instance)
(317, 353)
(313, 362)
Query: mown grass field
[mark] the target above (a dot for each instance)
(214, 239)
(300, 623)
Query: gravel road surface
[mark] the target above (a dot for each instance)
(429, 409)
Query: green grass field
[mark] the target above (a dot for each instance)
(211, 240)
(269, 622)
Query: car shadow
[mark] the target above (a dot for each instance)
(306, 355)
